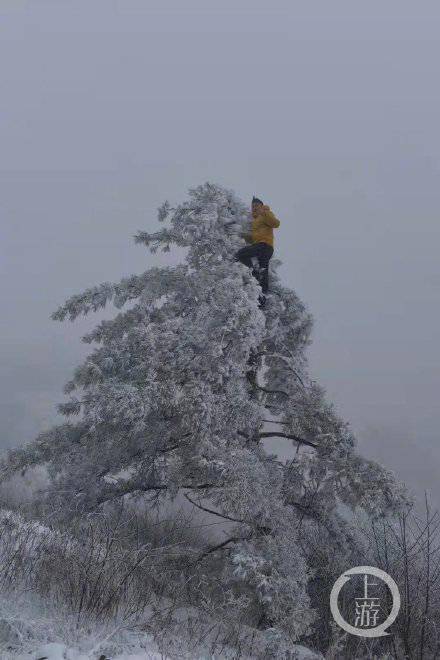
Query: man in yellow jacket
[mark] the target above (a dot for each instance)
(261, 243)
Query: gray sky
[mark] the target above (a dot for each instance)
(329, 111)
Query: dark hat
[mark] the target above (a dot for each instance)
(255, 200)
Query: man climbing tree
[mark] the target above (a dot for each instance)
(261, 243)
(163, 407)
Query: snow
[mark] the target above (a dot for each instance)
(56, 651)
(302, 653)
(173, 399)
(62, 652)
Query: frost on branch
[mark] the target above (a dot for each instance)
(176, 395)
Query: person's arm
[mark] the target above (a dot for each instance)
(246, 232)
(269, 218)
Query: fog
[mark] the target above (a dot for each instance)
(327, 111)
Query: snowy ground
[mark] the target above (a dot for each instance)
(27, 625)
(56, 651)
(42, 627)
(31, 630)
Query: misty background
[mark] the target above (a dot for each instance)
(327, 111)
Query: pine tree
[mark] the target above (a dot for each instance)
(175, 398)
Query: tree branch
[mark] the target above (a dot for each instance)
(260, 528)
(215, 513)
(273, 421)
(285, 359)
(267, 391)
(219, 546)
(166, 487)
(275, 434)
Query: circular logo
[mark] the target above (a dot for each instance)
(367, 607)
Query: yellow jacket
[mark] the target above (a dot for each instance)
(263, 225)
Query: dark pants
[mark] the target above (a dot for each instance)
(262, 252)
